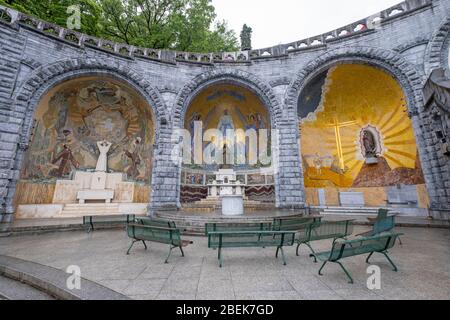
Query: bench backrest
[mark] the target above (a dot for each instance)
(147, 221)
(294, 223)
(211, 227)
(382, 213)
(108, 218)
(321, 230)
(234, 239)
(363, 245)
(384, 224)
(155, 234)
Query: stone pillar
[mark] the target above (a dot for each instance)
(435, 162)
(11, 120)
(166, 175)
(289, 184)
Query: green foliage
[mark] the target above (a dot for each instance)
(186, 25)
(55, 11)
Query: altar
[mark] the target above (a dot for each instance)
(229, 191)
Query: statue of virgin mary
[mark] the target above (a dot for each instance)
(225, 123)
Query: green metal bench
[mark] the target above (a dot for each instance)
(323, 230)
(257, 238)
(147, 221)
(212, 227)
(90, 221)
(143, 233)
(348, 248)
(382, 223)
(294, 223)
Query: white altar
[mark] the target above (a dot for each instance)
(229, 190)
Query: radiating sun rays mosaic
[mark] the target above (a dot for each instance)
(358, 133)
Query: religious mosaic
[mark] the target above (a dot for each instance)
(356, 131)
(82, 120)
(228, 107)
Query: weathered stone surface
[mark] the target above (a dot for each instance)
(409, 46)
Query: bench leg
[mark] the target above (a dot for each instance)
(346, 272)
(298, 248)
(145, 245)
(168, 256)
(313, 255)
(400, 241)
(390, 261)
(282, 255)
(321, 268)
(370, 255)
(182, 252)
(276, 253)
(219, 256)
(91, 227)
(131, 246)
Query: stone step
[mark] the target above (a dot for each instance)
(195, 224)
(91, 209)
(15, 290)
(54, 281)
(351, 211)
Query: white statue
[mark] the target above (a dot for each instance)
(102, 162)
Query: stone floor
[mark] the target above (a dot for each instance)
(423, 261)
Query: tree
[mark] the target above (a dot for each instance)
(246, 38)
(172, 24)
(186, 25)
(55, 11)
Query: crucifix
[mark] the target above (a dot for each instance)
(336, 125)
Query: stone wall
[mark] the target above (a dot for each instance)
(408, 41)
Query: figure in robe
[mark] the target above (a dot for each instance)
(102, 162)
(195, 135)
(318, 164)
(370, 146)
(66, 158)
(225, 123)
(135, 159)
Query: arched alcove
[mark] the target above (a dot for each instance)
(68, 122)
(358, 141)
(217, 108)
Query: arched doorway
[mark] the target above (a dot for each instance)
(69, 122)
(358, 142)
(216, 109)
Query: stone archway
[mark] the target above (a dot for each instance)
(409, 79)
(46, 77)
(288, 181)
(406, 74)
(437, 53)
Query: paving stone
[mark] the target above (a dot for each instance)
(247, 274)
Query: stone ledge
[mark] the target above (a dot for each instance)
(53, 281)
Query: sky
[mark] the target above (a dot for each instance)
(282, 21)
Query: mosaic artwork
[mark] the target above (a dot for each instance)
(358, 134)
(228, 107)
(74, 116)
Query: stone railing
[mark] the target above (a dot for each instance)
(13, 17)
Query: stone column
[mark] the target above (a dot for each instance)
(166, 175)
(435, 164)
(289, 184)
